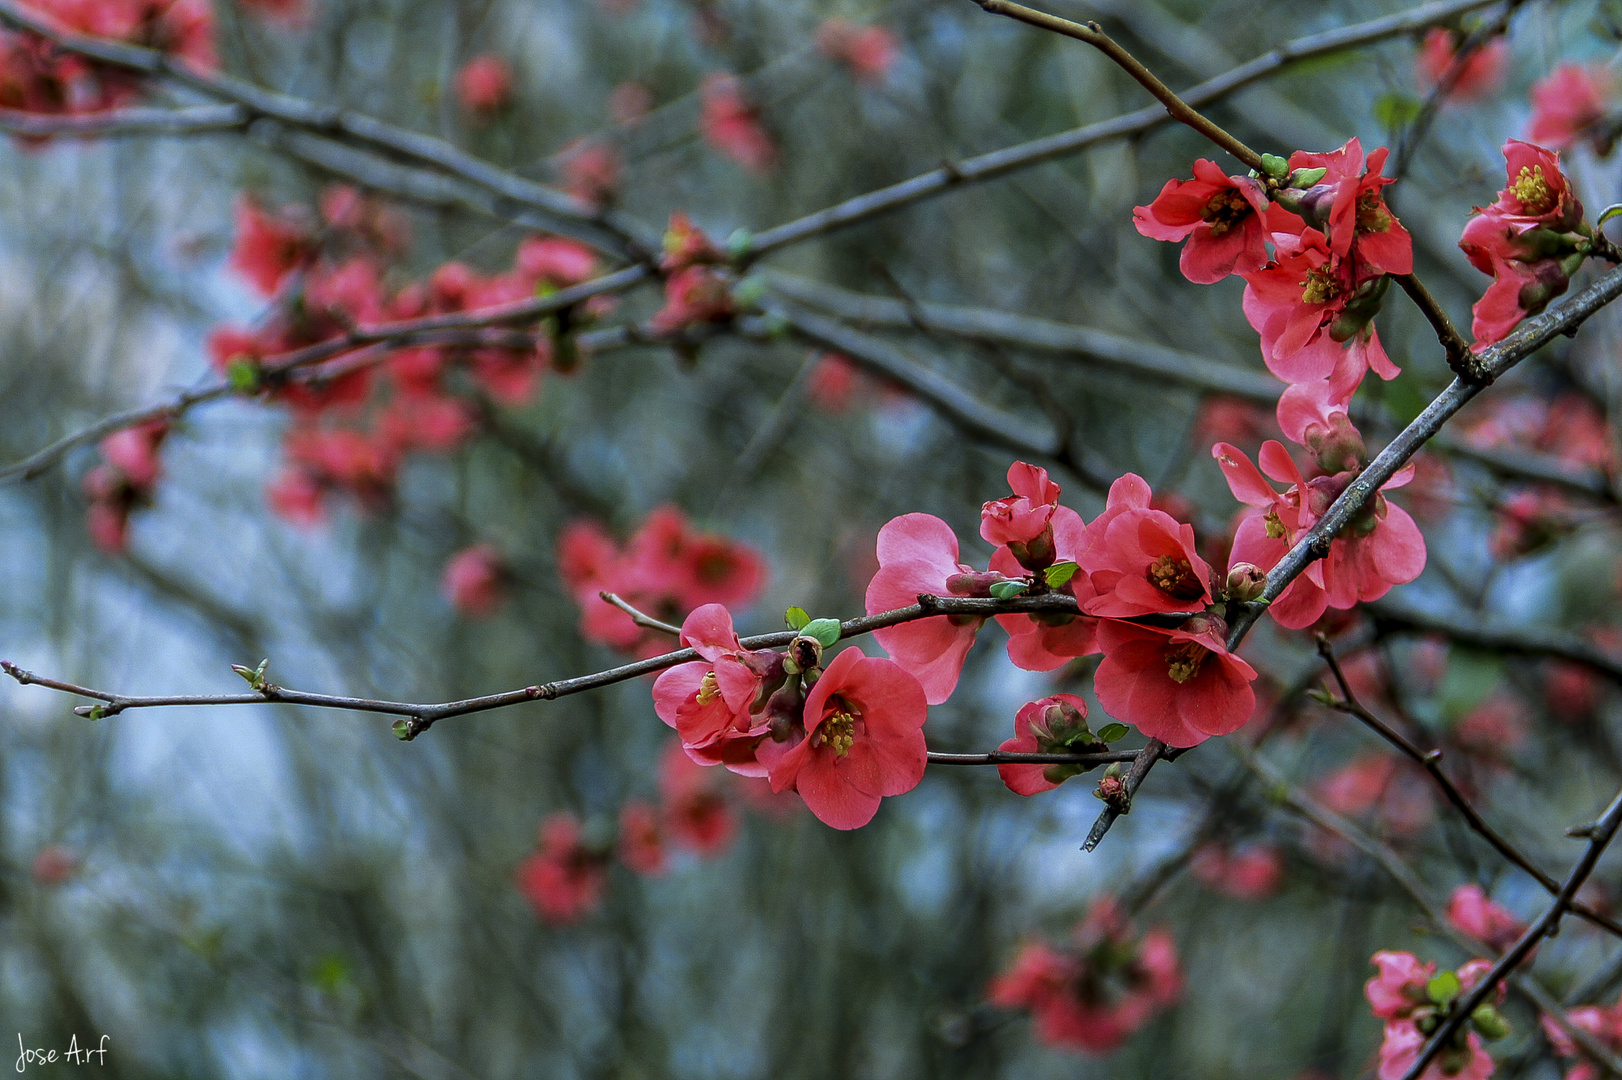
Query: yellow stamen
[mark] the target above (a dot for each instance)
(1318, 287)
(839, 732)
(1183, 661)
(709, 688)
(1175, 578)
(1533, 190)
(1372, 216)
(1226, 209)
(1274, 526)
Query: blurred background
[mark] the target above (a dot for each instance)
(270, 891)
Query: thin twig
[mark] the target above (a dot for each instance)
(1094, 35)
(1460, 359)
(638, 617)
(1432, 763)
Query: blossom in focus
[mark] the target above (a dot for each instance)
(475, 581)
(1051, 725)
(708, 700)
(1141, 560)
(1180, 686)
(918, 554)
(564, 880)
(1348, 202)
(1095, 991)
(869, 51)
(732, 126)
(1222, 218)
(1570, 102)
(1481, 74)
(863, 740)
(1248, 872)
(484, 86)
(1469, 911)
(1041, 641)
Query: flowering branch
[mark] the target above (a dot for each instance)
(1094, 35)
(1432, 762)
(1602, 833)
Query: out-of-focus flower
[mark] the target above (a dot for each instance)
(475, 581)
(484, 86)
(869, 51)
(732, 126)
(1481, 74)
(564, 880)
(1248, 872)
(1570, 103)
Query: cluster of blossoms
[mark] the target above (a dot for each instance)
(354, 421)
(1092, 993)
(39, 76)
(666, 569)
(1414, 1001)
(1143, 597)
(697, 812)
(1603, 1024)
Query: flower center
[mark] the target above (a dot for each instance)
(1183, 661)
(1372, 216)
(839, 732)
(1226, 209)
(709, 688)
(1274, 525)
(1319, 287)
(1174, 577)
(1534, 191)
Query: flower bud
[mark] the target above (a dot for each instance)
(1036, 554)
(1246, 581)
(805, 652)
(976, 583)
(1490, 1022)
(1059, 725)
(783, 710)
(1337, 448)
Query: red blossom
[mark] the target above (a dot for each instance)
(1400, 996)
(1570, 102)
(862, 740)
(641, 845)
(732, 126)
(697, 813)
(1357, 218)
(124, 482)
(475, 581)
(54, 865)
(1043, 641)
(269, 247)
(1180, 686)
(484, 86)
(869, 51)
(1051, 725)
(693, 297)
(565, 879)
(918, 554)
(555, 263)
(1603, 1023)
(1481, 74)
(1140, 560)
(709, 701)
(590, 171)
(1250, 872)
(1469, 911)
(1223, 218)
(1099, 989)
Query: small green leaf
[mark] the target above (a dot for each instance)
(1007, 590)
(1060, 573)
(1275, 166)
(1306, 178)
(739, 243)
(1111, 732)
(1395, 111)
(796, 618)
(1322, 696)
(243, 375)
(402, 730)
(1443, 988)
(1608, 213)
(826, 631)
(97, 712)
(1490, 1022)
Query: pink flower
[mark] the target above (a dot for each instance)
(1571, 101)
(424, 419)
(685, 244)
(1141, 561)
(1519, 291)
(1399, 988)
(124, 482)
(1470, 912)
(1223, 218)
(862, 740)
(1252, 872)
(512, 377)
(641, 843)
(1377, 782)
(1412, 1001)
(1098, 990)
(269, 247)
(565, 879)
(590, 171)
(732, 126)
(1403, 1043)
(296, 496)
(918, 554)
(1045, 640)
(475, 581)
(1357, 217)
(1603, 1023)
(697, 813)
(693, 297)
(1179, 686)
(708, 701)
(1310, 306)
(833, 383)
(554, 262)
(1023, 518)
(484, 86)
(1051, 725)
(1481, 75)
(54, 865)
(869, 51)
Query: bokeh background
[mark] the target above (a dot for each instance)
(247, 892)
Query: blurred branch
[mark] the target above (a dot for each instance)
(571, 213)
(1500, 636)
(200, 120)
(1432, 763)
(1001, 162)
(1093, 35)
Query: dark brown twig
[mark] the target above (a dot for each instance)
(638, 617)
(1460, 359)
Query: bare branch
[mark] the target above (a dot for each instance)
(200, 120)
(647, 621)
